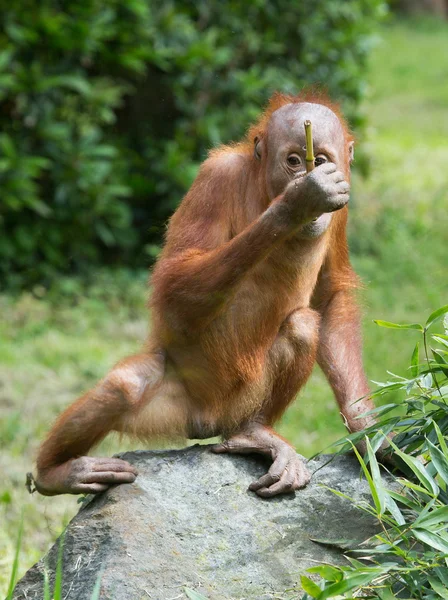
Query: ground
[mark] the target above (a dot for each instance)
(57, 344)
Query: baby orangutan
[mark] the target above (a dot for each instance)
(253, 286)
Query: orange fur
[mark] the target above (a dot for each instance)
(241, 307)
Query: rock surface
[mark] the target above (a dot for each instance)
(189, 522)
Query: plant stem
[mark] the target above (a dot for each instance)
(309, 158)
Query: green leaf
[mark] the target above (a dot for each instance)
(47, 593)
(397, 326)
(396, 513)
(435, 517)
(347, 584)
(418, 469)
(376, 476)
(5, 57)
(442, 574)
(327, 572)
(377, 499)
(57, 590)
(431, 539)
(414, 486)
(439, 460)
(309, 586)
(105, 234)
(415, 361)
(342, 544)
(195, 595)
(441, 439)
(385, 594)
(440, 361)
(97, 589)
(74, 82)
(438, 587)
(404, 499)
(441, 339)
(7, 146)
(436, 315)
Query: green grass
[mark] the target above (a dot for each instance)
(54, 345)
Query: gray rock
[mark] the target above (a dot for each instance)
(189, 522)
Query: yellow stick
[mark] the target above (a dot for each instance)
(309, 146)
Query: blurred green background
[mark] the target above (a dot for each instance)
(108, 108)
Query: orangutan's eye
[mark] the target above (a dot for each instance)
(294, 160)
(320, 160)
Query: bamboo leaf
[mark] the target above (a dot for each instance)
(435, 517)
(438, 587)
(431, 539)
(435, 315)
(442, 574)
(392, 507)
(379, 504)
(309, 586)
(439, 461)
(376, 476)
(192, 595)
(415, 361)
(57, 591)
(389, 325)
(327, 572)
(347, 584)
(440, 361)
(414, 486)
(339, 544)
(97, 589)
(404, 499)
(441, 339)
(47, 593)
(441, 440)
(418, 469)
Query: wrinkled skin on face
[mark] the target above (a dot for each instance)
(285, 151)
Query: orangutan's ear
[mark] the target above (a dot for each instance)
(351, 151)
(258, 147)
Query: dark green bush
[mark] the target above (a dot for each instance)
(107, 108)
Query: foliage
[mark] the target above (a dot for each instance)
(108, 108)
(409, 557)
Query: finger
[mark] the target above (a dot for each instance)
(273, 475)
(326, 168)
(343, 187)
(219, 448)
(338, 177)
(110, 477)
(110, 464)
(90, 488)
(281, 487)
(341, 201)
(298, 478)
(285, 482)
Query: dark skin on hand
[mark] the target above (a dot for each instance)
(253, 287)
